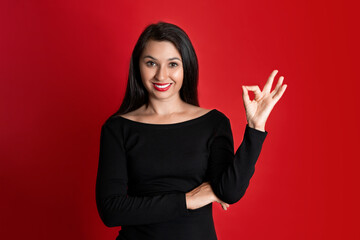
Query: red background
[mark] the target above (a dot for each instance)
(63, 69)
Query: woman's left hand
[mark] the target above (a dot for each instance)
(258, 110)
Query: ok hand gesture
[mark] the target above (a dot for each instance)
(258, 110)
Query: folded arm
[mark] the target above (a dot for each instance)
(115, 207)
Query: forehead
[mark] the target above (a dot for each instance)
(160, 49)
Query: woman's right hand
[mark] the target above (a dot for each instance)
(201, 196)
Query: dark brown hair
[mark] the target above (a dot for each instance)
(136, 95)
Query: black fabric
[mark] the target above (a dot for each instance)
(145, 170)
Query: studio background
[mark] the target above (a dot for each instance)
(63, 72)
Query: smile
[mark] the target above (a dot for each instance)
(162, 87)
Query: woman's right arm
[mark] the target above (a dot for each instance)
(115, 207)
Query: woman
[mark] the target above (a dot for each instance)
(163, 159)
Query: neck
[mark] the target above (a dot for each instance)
(165, 107)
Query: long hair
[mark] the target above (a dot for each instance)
(136, 95)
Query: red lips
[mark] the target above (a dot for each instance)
(158, 86)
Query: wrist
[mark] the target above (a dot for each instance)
(260, 127)
(188, 200)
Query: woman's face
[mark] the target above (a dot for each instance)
(161, 69)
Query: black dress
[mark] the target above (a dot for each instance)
(146, 169)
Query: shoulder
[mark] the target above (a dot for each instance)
(217, 118)
(113, 123)
(220, 116)
(199, 111)
(133, 115)
(195, 111)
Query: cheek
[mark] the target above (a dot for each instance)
(142, 75)
(178, 74)
(145, 73)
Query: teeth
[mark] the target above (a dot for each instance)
(162, 86)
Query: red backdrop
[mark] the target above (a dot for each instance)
(63, 69)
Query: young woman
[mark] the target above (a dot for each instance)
(163, 159)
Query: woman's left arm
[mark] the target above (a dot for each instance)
(230, 174)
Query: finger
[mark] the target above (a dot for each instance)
(278, 85)
(225, 206)
(204, 184)
(270, 81)
(279, 93)
(257, 92)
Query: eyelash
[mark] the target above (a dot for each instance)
(149, 63)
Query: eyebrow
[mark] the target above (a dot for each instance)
(174, 58)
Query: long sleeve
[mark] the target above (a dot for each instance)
(115, 207)
(230, 174)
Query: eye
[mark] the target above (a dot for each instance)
(150, 63)
(173, 64)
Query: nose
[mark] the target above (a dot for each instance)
(161, 73)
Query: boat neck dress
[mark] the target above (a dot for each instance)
(146, 169)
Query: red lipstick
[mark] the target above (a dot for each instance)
(162, 86)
